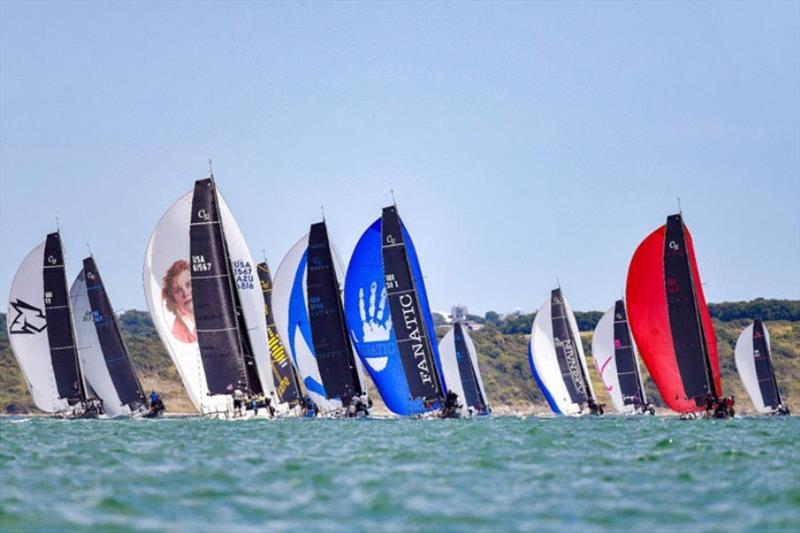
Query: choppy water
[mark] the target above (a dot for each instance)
(391, 475)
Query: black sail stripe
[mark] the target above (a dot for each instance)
(283, 374)
(63, 353)
(566, 348)
(120, 367)
(466, 371)
(625, 359)
(416, 357)
(334, 353)
(764, 369)
(212, 295)
(684, 318)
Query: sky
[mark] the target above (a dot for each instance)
(525, 142)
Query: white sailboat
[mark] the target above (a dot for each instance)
(461, 372)
(754, 363)
(203, 293)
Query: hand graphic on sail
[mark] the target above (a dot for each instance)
(375, 327)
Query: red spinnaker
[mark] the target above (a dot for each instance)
(648, 316)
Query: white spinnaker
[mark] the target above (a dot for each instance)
(250, 297)
(452, 375)
(93, 362)
(543, 356)
(746, 365)
(27, 332)
(606, 362)
(168, 244)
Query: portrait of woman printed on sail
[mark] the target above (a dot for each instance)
(176, 292)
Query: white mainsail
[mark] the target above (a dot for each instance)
(27, 333)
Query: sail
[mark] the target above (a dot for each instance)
(308, 316)
(614, 354)
(373, 325)
(105, 362)
(460, 368)
(63, 352)
(669, 319)
(754, 363)
(169, 291)
(283, 372)
(27, 332)
(555, 353)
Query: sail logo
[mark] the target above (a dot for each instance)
(376, 327)
(90, 275)
(619, 316)
(418, 349)
(243, 274)
(28, 321)
(87, 316)
(202, 214)
(52, 260)
(390, 239)
(673, 245)
(572, 363)
(199, 264)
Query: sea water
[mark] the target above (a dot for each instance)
(488, 474)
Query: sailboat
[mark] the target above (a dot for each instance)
(284, 374)
(669, 319)
(201, 288)
(555, 353)
(461, 372)
(615, 357)
(41, 335)
(754, 363)
(104, 358)
(310, 319)
(390, 319)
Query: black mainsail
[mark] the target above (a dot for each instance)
(630, 382)
(283, 372)
(334, 353)
(63, 351)
(764, 369)
(684, 317)
(218, 327)
(567, 351)
(469, 380)
(413, 339)
(115, 352)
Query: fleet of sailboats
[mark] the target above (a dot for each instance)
(247, 346)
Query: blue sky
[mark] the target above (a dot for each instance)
(525, 141)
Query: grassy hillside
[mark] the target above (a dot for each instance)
(502, 351)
